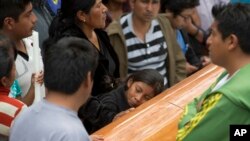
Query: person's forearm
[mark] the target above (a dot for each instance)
(197, 33)
(29, 97)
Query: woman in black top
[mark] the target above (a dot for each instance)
(86, 19)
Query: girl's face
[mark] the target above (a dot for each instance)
(138, 93)
(97, 16)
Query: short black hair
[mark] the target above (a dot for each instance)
(67, 63)
(177, 6)
(7, 49)
(149, 76)
(234, 19)
(12, 8)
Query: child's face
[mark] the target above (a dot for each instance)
(26, 22)
(138, 93)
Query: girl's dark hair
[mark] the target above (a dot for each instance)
(7, 56)
(149, 76)
(66, 16)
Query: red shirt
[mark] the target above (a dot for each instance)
(9, 109)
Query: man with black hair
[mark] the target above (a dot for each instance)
(226, 102)
(143, 39)
(69, 67)
(179, 13)
(17, 21)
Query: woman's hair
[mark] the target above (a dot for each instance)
(66, 16)
(69, 8)
(149, 76)
(7, 57)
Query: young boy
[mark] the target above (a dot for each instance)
(17, 22)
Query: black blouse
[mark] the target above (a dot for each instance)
(101, 110)
(108, 64)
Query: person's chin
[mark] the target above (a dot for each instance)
(131, 103)
(100, 26)
(148, 19)
(134, 104)
(27, 35)
(30, 32)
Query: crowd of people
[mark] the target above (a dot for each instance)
(101, 59)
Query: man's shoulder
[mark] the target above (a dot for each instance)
(163, 20)
(72, 134)
(114, 27)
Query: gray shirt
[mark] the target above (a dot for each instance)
(45, 121)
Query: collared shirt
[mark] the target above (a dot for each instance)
(148, 54)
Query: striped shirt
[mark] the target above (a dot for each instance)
(9, 109)
(148, 54)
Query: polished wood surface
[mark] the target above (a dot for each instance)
(157, 119)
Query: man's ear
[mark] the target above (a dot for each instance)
(89, 80)
(8, 23)
(5, 82)
(232, 41)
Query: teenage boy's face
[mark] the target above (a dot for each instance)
(217, 46)
(26, 22)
